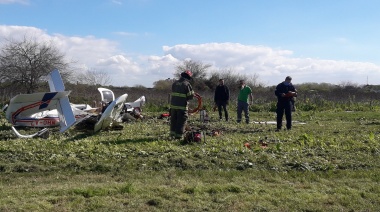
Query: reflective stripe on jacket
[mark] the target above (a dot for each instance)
(181, 93)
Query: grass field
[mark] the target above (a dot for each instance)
(329, 161)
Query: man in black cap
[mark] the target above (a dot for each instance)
(182, 92)
(285, 92)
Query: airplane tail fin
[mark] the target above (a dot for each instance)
(55, 81)
(65, 113)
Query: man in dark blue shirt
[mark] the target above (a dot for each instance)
(221, 98)
(285, 92)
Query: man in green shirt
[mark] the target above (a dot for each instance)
(245, 94)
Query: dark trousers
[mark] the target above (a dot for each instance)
(178, 119)
(281, 107)
(222, 105)
(242, 106)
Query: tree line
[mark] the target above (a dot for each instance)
(24, 63)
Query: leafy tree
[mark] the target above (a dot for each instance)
(213, 80)
(139, 86)
(24, 63)
(163, 84)
(313, 86)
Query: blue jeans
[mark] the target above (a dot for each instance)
(242, 106)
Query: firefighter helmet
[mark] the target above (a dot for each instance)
(187, 74)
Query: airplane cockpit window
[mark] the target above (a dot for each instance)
(108, 96)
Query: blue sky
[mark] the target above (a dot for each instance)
(141, 41)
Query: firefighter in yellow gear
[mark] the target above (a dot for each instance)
(182, 92)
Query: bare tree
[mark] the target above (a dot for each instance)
(348, 84)
(198, 69)
(25, 62)
(202, 82)
(94, 77)
(232, 78)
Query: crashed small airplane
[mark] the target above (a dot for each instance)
(52, 109)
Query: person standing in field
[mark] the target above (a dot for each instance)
(182, 92)
(285, 92)
(245, 99)
(221, 98)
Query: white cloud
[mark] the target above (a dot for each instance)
(127, 34)
(118, 2)
(88, 50)
(272, 65)
(342, 40)
(14, 1)
(18, 32)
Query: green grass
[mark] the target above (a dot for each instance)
(331, 163)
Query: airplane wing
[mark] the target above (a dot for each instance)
(111, 113)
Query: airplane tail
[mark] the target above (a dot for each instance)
(65, 113)
(55, 81)
(23, 106)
